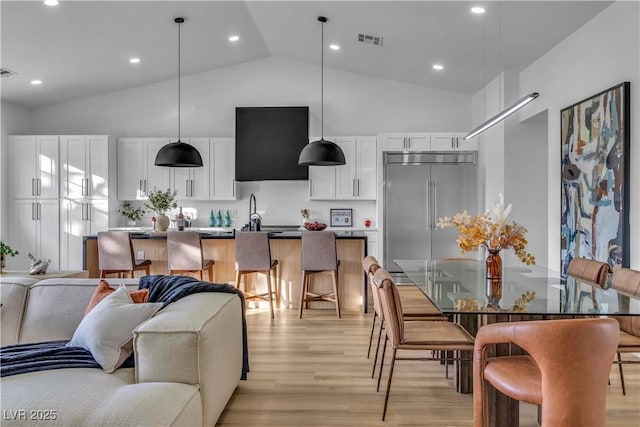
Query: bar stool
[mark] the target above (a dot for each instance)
(319, 255)
(185, 255)
(253, 255)
(115, 255)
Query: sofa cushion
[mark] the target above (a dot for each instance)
(91, 397)
(103, 290)
(14, 298)
(107, 330)
(55, 308)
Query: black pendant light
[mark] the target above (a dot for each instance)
(322, 152)
(179, 154)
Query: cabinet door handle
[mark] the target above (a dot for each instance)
(39, 211)
(33, 211)
(88, 211)
(435, 204)
(186, 187)
(427, 196)
(233, 189)
(39, 186)
(88, 193)
(33, 186)
(358, 181)
(353, 188)
(192, 188)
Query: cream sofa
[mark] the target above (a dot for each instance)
(188, 360)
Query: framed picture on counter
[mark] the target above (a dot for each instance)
(341, 218)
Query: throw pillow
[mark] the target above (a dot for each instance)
(107, 331)
(103, 290)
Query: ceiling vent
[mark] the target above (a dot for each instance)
(5, 72)
(369, 39)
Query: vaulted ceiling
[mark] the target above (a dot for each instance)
(82, 48)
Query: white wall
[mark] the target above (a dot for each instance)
(601, 54)
(13, 119)
(355, 104)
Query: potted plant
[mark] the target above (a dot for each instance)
(6, 250)
(160, 201)
(132, 213)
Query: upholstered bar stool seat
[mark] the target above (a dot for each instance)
(115, 255)
(319, 255)
(253, 255)
(185, 254)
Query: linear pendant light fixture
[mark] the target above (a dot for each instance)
(321, 152)
(178, 154)
(509, 110)
(502, 115)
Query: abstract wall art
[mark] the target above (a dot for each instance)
(595, 141)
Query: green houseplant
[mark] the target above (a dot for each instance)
(160, 201)
(6, 250)
(132, 213)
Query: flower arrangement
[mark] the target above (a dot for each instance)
(131, 212)
(492, 230)
(159, 201)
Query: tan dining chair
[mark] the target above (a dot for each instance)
(115, 255)
(422, 308)
(562, 373)
(185, 254)
(319, 255)
(589, 270)
(253, 255)
(413, 336)
(627, 281)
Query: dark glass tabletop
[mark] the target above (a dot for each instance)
(460, 286)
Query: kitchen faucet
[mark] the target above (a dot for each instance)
(254, 216)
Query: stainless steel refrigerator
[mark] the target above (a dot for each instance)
(419, 188)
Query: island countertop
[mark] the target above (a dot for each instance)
(286, 247)
(136, 235)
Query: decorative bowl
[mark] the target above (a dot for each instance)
(315, 226)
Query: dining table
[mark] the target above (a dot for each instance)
(460, 289)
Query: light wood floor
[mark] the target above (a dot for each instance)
(314, 372)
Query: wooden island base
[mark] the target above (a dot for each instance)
(351, 251)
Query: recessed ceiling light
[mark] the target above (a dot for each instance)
(438, 67)
(234, 38)
(134, 60)
(36, 82)
(477, 10)
(334, 47)
(51, 2)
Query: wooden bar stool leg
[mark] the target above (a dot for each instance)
(302, 293)
(373, 326)
(269, 290)
(238, 280)
(334, 276)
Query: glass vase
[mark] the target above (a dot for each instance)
(494, 278)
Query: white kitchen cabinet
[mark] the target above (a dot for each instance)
(405, 142)
(35, 229)
(79, 218)
(34, 166)
(357, 178)
(193, 183)
(372, 243)
(322, 179)
(87, 165)
(222, 171)
(137, 173)
(452, 142)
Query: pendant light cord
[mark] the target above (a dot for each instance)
(322, 80)
(179, 73)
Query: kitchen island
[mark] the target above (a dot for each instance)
(285, 247)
